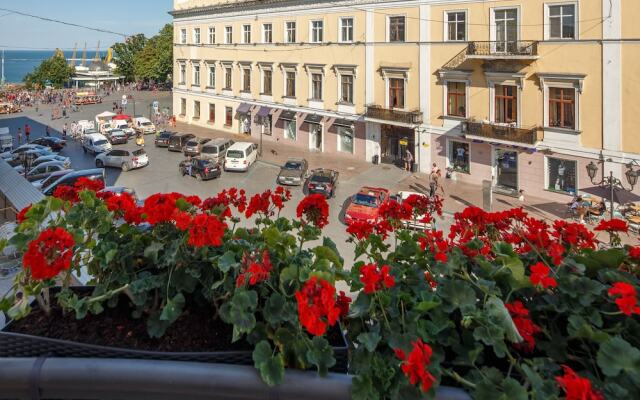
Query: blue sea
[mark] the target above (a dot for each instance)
(18, 63)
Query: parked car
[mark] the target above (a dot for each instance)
(123, 159)
(365, 205)
(50, 179)
(95, 143)
(240, 156)
(84, 125)
(44, 170)
(122, 189)
(124, 126)
(66, 161)
(293, 172)
(143, 125)
(55, 143)
(202, 168)
(193, 147)
(6, 139)
(216, 149)
(417, 222)
(178, 141)
(162, 139)
(71, 178)
(117, 136)
(323, 181)
(7, 155)
(29, 155)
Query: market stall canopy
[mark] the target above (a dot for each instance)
(121, 116)
(264, 111)
(106, 114)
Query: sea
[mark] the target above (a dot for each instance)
(18, 63)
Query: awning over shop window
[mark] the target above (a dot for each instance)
(264, 111)
(243, 108)
(288, 115)
(313, 118)
(344, 122)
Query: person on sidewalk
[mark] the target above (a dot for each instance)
(408, 160)
(64, 131)
(19, 135)
(48, 131)
(27, 131)
(433, 183)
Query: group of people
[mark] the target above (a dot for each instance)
(585, 209)
(27, 133)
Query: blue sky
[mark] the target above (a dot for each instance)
(126, 16)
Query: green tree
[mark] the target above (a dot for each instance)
(54, 70)
(126, 54)
(155, 60)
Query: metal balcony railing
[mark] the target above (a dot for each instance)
(503, 49)
(502, 132)
(386, 114)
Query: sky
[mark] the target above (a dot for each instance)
(123, 16)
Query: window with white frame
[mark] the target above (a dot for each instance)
(183, 74)
(456, 26)
(290, 129)
(290, 84)
(506, 104)
(267, 33)
(183, 36)
(317, 31)
(456, 99)
(228, 75)
(562, 21)
(267, 81)
(346, 88)
(196, 74)
(228, 34)
(561, 99)
(212, 35)
(397, 29)
(316, 86)
(396, 92)
(212, 76)
(246, 79)
(345, 139)
(346, 29)
(246, 33)
(196, 109)
(290, 31)
(196, 35)
(561, 175)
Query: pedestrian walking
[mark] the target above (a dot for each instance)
(408, 160)
(433, 183)
(48, 131)
(27, 131)
(64, 112)
(64, 130)
(19, 135)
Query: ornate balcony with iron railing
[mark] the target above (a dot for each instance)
(392, 115)
(503, 50)
(501, 132)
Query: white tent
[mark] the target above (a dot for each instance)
(105, 115)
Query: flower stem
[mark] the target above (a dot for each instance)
(108, 294)
(459, 379)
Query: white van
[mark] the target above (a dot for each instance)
(240, 156)
(95, 143)
(143, 125)
(123, 126)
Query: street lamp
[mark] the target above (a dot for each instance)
(610, 181)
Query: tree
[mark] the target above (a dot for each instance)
(126, 54)
(155, 61)
(54, 70)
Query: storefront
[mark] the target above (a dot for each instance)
(289, 125)
(394, 142)
(505, 165)
(264, 120)
(314, 126)
(345, 131)
(243, 114)
(561, 175)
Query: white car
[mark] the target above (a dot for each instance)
(240, 156)
(416, 222)
(66, 161)
(143, 125)
(123, 159)
(7, 155)
(95, 143)
(122, 125)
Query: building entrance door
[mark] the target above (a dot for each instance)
(506, 165)
(315, 137)
(394, 141)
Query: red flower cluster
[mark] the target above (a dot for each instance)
(627, 298)
(259, 204)
(159, 207)
(206, 230)
(343, 302)
(576, 387)
(415, 367)
(124, 205)
(280, 196)
(254, 270)
(634, 252)
(317, 309)
(315, 209)
(612, 225)
(49, 253)
(225, 199)
(424, 206)
(374, 279)
(392, 210)
(181, 219)
(430, 280)
(573, 234)
(22, 215)
(360, 229)
(526, 328)
(434, 241)
(540, 276)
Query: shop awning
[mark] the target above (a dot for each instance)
(313, 118)
(243, 108)
(264, 111)
(288, 115)
(344, 122)
(16, 189)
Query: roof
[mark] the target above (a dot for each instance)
(18, 191)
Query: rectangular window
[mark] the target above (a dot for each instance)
(396, 29)
(396, 93)
(183, 107)
(457, 26)
(346, 29)
(196, 110)
(228, 116)
(266, 82)
(246, 33)
(183, 74)
(183, 36)
(196, 75)
(316, 86)
(212, 35)
(228, 34)
(212, 76)
(456, 99)
(246, 80)
(459, 156)
(506, 26)
(346, 89)
(561, 175)
(562, 108)
(212, 112)
(506, 104)
(227, 78)
(316, 31)
(562, 22)
(290, 32)
(267, 33)
(196, 35)
(290, 84)
(345, 139)
(290, 129)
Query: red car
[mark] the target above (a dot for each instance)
(365, 204)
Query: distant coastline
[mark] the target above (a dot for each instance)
(18, 63)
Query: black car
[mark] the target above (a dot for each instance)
(55, 143)
(162, 140)
(179, 140)
(323, 181)
(202, 168)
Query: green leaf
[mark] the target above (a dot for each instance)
(55, 203)
(173, 308)
(579, 328)
(513, 390)
(321, 355)
(618, 356)
(360, 307)
(363, 388)
(271, 366)
(227, 261)
(499, 315)
(458, 294)
(240, 312)
(273, 308)
(272, 236)
(425, 306)
(151, 251)
(110, 255)
(369, 340)
(328, 253)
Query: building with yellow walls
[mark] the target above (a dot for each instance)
(524, 93)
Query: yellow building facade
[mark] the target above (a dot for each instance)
(522, 93)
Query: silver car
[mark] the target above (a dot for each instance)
(43, 159)
(194, 146)
(50, 179)
(44, 170)
(124, 159)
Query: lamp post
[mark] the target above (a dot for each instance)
(610, 181)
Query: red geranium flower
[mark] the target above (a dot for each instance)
(159, 207)
(626, 298)
(124, 206)
(315, 209)
(360, 229)
(415, 367)
(540, 276)
(22, 215)
(317, 309)
(576, 387)
(374, 279)
(259, 203)
(280, 196)
(343, 302)
(49, 253)
(206, 230)
(254, 270)
(84, 183)
(612, 225)
(182, 219)
(526, 328)
(430, 280)
(392, 210)
(634, 252)
(67, 193)
(434, 241)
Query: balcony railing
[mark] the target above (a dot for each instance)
(386, 114)
(502, 132)
(503, 49)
